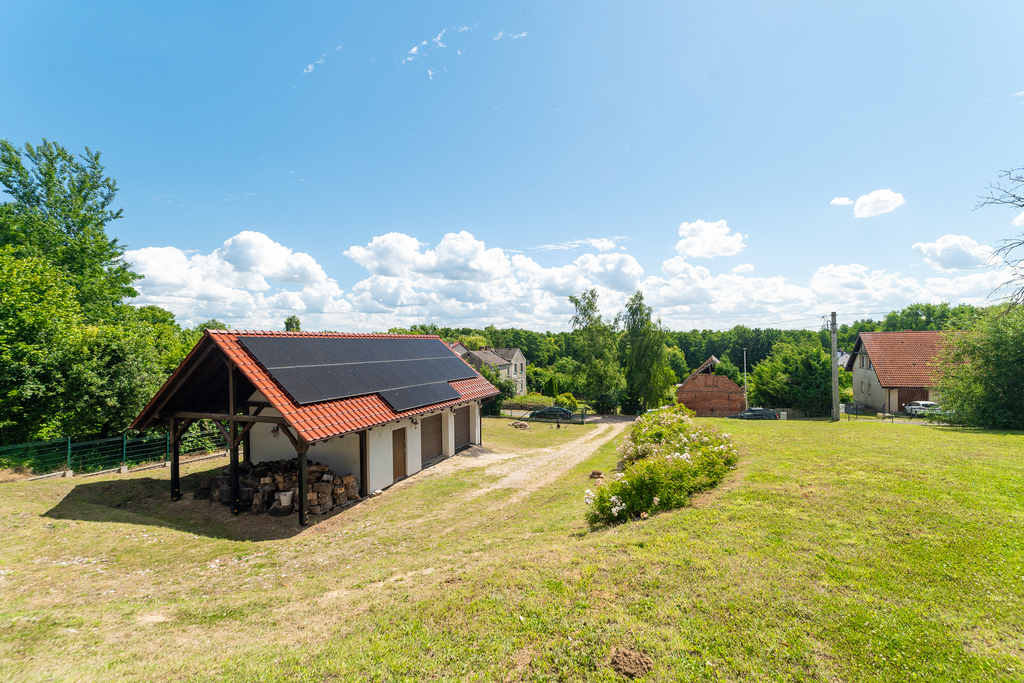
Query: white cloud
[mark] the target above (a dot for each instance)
(251, 281)
(524, 34)
(954, 252)
(250, 278)
(599, 243)
(708, 240)
(841, 201)
(437, 40)
(500, 34)
(430, 72)
(877, 202)
(415, 50)
(1019, 220)
(308, 69)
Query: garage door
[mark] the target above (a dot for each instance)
(461, 427)
(430, 440)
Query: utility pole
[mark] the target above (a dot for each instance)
(835, 370)
(746, 405)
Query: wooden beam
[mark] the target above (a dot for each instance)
(225, 417)
(169, 391)
(185, 424)
(242, 435)
(303, 484)
(288, 433)
(175, 472)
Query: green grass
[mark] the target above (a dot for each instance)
(499, 436)
(850, 551)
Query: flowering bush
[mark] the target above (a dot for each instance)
(668, 459)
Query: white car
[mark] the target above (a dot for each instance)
(921, 407)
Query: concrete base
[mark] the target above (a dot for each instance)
(69, 473)
(123, 469)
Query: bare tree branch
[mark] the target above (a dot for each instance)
(1008, 192)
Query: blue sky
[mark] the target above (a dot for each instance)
(371, 165)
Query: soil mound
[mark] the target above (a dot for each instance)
(630, 663)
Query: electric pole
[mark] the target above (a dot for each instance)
(835, 370)
(746, 405)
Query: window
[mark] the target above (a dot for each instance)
(862, 362)
(869, 365)
(869, 388)
(862, 387)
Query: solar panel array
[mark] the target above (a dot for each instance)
(407, 373)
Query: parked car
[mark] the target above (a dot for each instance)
(756, 414)
(551, 413)
(921, 407)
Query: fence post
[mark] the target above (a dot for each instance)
(167, 447)
(69, 452)
(124, 449)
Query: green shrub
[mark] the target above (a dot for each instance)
(668, 459)
(567, 401)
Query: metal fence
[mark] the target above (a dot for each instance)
(528, 414)
(42, 457)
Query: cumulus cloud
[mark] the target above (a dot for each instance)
(1019, 220)
(252, 281)
(708, 240)
(954, 252)
(249, 278)
(841, 201)
(877, 202)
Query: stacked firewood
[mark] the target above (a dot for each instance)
(260, 484)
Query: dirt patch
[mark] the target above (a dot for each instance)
(154, 618)
(630, 663)
(528, 473)
(14, 474)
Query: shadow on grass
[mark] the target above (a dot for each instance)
(146, 500)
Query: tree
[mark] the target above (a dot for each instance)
(648, 375)
(292, 324)
(59, 211)
(796, 375)
(507, 387)
(38, 315)
(981, 371)
(595, 342)
(1009, 192)
(676, 360)
(726, 368)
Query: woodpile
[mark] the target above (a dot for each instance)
(519, 425)
(260, 484)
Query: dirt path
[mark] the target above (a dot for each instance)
(528, 472)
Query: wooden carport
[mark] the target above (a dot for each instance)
(218, 377)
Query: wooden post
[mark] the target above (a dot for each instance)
(364, 487)
(303, 485)
(175, 452)
(246, 445)
(236, 502)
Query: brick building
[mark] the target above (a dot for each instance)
(711, 395)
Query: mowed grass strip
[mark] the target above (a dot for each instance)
(850, 551)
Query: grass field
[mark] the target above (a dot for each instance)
(835, 552)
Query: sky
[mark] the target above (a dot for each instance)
(375, 165)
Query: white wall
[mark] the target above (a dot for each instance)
(380, 446)
(866, 375)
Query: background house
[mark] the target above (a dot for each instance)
(509, 363)
(711, 395)
(891, 369)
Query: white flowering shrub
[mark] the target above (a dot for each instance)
(668, 459)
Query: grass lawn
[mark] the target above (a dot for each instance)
(835, 552)
(499, 436)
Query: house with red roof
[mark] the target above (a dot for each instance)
(376, 406)
(891, 369)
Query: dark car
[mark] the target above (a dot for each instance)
(552, 413)
(756, 414)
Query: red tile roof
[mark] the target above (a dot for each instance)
(900, 359)
(320, 421)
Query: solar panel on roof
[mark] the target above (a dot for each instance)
(407, 373)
